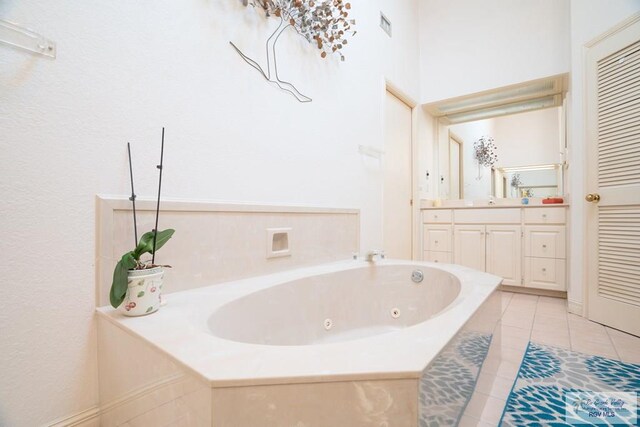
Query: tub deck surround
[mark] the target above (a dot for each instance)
(182, 331)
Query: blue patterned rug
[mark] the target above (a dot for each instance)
(558, 387)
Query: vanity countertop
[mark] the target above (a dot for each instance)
(428, 204)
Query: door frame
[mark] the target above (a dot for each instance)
(590, 132)
(455, 138)
(389, 86)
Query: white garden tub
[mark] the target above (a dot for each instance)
(345, 321)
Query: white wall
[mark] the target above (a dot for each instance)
(589, 19)
(124, 70)
(468, 46)
(531, 138)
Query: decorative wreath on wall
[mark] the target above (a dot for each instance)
(485, 151)
(323, 23)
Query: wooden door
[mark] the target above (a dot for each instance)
(397, 191)
(613, 180)
(504, 253)
(469, 246)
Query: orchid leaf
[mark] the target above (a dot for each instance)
(120, 279)
(146, 242)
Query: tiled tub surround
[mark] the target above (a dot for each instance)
(368, 375)
(218, 242)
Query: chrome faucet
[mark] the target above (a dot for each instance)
(369, 257)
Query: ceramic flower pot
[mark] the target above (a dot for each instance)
(143, 292)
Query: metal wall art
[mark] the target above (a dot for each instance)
(322, 23)
(485, 153)
(516, 181)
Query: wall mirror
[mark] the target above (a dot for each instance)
(528, 181)
(526, 125)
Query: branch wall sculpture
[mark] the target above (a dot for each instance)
(321, 22)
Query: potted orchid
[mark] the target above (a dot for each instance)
(137, 284)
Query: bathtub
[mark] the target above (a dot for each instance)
(345, 343)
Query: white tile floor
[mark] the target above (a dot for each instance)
(544, 320)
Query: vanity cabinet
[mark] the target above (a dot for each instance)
(545, 248)
(437, 243)
(523, 245)
(437, 237)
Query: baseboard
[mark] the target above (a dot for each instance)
(91, 417)
(87, 417)
(575, 307)
(139, 392)
(533, 291)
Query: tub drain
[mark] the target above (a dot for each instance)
(395, 313)
(417, 276)
(328, 324)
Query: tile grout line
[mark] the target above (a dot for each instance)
(613, 343)
(570, 333)
(507, 306)
(535, 313)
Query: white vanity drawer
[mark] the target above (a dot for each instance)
(488, 216)
(437, 238)
(544, 241)
(440, 257)
(544, 273)
(545, 215)
(442, 216)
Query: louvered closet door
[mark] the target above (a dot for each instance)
(613, 128)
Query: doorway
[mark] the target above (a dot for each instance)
(613, 180)
(397, 189)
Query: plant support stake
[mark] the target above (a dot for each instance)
(133, 198)
(155, 230)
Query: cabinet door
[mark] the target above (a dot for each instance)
(544, 241)
(504, 259)
(440, 257)
(469, 249)
(545, 273)
(437, 238)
